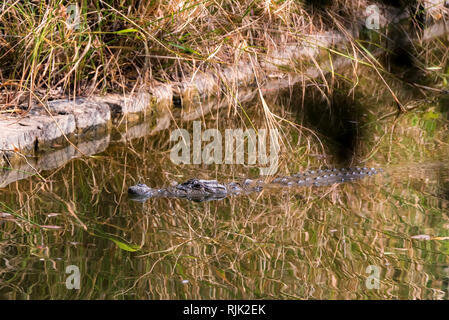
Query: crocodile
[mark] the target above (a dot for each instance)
(206, 190)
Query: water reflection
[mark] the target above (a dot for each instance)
(311, 242)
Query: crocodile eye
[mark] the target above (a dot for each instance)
(247, 181)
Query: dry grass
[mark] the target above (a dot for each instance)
(119, 44)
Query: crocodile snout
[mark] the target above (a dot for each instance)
(140, 190)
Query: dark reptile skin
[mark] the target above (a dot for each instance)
(207, 190)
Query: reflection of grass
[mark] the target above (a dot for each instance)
(276, 246)
(306, 243)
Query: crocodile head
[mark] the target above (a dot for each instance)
(141, 192)
(193, 189)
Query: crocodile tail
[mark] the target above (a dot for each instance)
(326, 176)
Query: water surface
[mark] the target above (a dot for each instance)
(286, 243)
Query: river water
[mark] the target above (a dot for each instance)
(384, 237)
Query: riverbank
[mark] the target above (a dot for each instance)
(31, 129)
